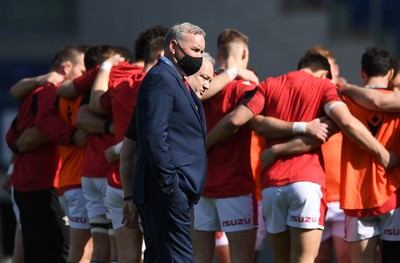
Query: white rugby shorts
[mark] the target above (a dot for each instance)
(74, 204)
(226, 214)
(94, 191)
(299, 204)
(387, 226)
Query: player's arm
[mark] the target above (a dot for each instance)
(112, 153)
(357, 132)
(127, 169)
(92, 123)
(229, 125)
(253, 103)
(49, 123)
(100, 84)
(218, 83)
(127, 158)
(296, 145)
(274, 128)
(67, 90)
(30, 140)
(222, 79)
(127, 165)
(22, 88)
(372, 99)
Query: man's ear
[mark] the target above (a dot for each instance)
(66, 67)
(364, 76)
(173, 44)
(244, 54)
(323, 74)
(391, 74)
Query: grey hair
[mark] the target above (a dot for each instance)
(208, 56)
(178, 32)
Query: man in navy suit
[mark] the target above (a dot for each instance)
(171, 165)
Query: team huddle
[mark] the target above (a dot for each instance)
(112, 148)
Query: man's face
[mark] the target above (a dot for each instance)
(77, 69)
(200, 81)
(193, 45)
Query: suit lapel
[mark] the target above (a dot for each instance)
(192, 97)
(199, 110)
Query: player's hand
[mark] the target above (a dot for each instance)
(389, 161)
(268, 157)
(115, 59)
(247, 74)
(317, 129)
(79, 138)
(332, 127)
(130, 216)
(50, 78)
(110, 154)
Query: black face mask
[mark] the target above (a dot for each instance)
(189, 64)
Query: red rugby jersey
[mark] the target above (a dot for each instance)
(229, 168)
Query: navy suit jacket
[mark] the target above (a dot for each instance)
(170, 135)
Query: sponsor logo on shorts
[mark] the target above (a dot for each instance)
(305, 219)
(242, 221)
(391, 232)
(81, 220)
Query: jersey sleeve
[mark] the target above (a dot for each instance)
(84, 83)
(105, 101)
(331, 93)
(254, 100)
(47, 119)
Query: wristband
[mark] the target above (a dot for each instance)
(106, 66)
(128, 197)
(299, 127)
(117, 148)
(232, 73)
(106, 127)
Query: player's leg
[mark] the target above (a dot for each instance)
(362, 236)
(261, 232)
(206, 223)
(363, 251)
(304, 244)
(74, 205)
(306, 217)
(241, 245)
(18, 255)
(204, 246)
(280, 245)
(128, 241)
(238, 218)
(275, 214)
(341, 248)
(325, 250)
(222, 248)
(390, 236)
(93, 189)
